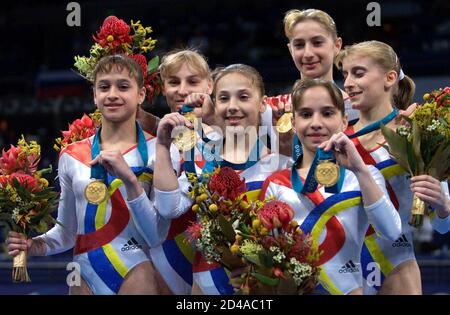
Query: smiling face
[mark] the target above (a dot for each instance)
(366, 83)
(182, 82)
(317, 118)
(313, 49)
(238, 102)
(117, 94)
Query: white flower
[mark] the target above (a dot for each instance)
(434, 125)
(15, 214)
(279, 255)
(300, 272)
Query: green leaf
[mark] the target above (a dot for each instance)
(6, 217)
(266, 280)
(153, 65)
(440, 163)
(265, 259)
(397, 147)
(411, 158)
(416, 137)
(226, 228)
(244, 228)
(253, 260)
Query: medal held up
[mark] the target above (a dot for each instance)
(186, 139)
(327, 173)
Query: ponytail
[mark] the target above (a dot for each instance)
(403, 97)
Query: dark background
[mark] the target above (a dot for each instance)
(40, 94)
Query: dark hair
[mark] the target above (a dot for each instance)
(247, 71)
(301, 86)
(120, 62)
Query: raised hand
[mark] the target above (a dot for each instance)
(345, 152)
(166, 126)
(203, 106)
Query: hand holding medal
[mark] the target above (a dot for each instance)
(284, 124)
(112, 162)
(344, 151)
(282, 104)
(186, 139)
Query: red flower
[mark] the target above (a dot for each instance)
(4, 180)
(14, 160)
(300, 250)
(227, 183)
(9, 160)
(276, 214)
(113, 33)
(194, 231)
(269, 241)
(277, 272)
(27, 181)
(443, 99)
(78, 130)
(142, 61)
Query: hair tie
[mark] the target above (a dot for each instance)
(401, 75)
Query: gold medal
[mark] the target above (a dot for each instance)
(96, 192)
(186, 140)
(191, 117)
(327, 173)
(284, 124)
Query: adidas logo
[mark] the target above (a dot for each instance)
(349, 267)
(401, 242)
(130, 245)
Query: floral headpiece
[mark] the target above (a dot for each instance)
(114, 38)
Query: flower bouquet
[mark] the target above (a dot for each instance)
(422, 146)
(26, 201)
(257, 241)
(79, 129)
(117, 37)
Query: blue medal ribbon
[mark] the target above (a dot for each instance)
(375, 125)
(297, 149)
(310, 184)
(98, 171)
(213, 160)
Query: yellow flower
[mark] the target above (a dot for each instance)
(201, 198)
(244, 205)
(195, 208)
(256, 223)
(234, 248)
(213, 208)
(43, 182)
(192, 177)
(264, 231)
(426, 97)
(110, 38)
